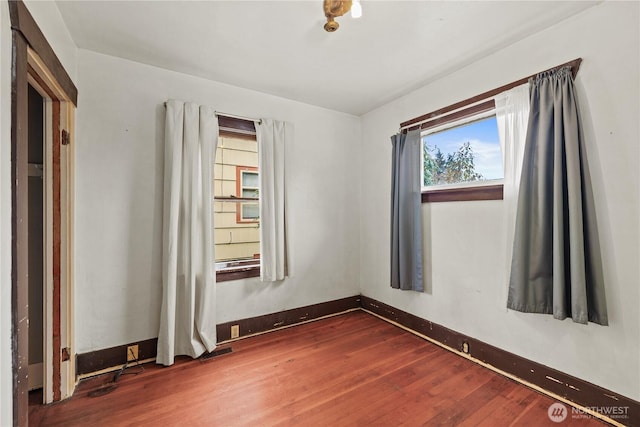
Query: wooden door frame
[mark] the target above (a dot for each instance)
(33, 56)
(50, 123)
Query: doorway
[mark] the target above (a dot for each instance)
(49, 209)
(36, 228)
(41, 216)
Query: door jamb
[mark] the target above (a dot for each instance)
(26, 37)
(61, 161)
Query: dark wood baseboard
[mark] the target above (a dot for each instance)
(580, 392)
(95, 361)
(268, 322)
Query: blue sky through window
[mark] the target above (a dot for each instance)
(484, 139)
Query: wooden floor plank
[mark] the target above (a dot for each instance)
(504, 409)
(349, 370)
(332, 403)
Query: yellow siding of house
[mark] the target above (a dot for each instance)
(223, 170)
(226, 188)
(233, 240)
(236, 251)
(235, 157)
(236, 236)
(226, 219)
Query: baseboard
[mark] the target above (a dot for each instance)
(100, 360)
(268, 322)
(572, 389)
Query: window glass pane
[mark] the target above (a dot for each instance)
(235, 240)
(465, 153)
(250, 193)
(249, 179)
(250, 211)
(237, 232)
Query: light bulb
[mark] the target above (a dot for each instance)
(356, 9)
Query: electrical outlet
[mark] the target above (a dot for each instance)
(465, 347)
(235, 331)
(132, 353)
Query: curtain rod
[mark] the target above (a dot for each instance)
(233, 116)
(418, 121)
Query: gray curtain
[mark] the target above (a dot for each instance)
(556, 266)
(406, 213)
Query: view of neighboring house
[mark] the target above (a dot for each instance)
(237, 233)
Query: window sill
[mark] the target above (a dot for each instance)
(463, 194)
(237, 269)
(237, 273)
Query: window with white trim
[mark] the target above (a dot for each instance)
(247, 182)
(462, 153)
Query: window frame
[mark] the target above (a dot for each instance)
(462, 191)
(244, 129)
(228, 274)
(456, 111)
(240, 187)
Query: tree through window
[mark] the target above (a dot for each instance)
(462, 153)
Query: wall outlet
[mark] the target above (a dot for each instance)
(235, 331)
(465, 347)
(132, 353)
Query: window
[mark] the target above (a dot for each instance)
(247, 188)
(461, 158)
(236, 203)
(471, 109)
(462, 153)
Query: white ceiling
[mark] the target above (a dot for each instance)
(280, 47)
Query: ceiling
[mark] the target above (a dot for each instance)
(280, 47)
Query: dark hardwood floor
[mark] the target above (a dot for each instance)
(352, 369)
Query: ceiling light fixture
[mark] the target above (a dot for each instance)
(335, 8)
(356, 9)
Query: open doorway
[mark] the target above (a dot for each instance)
(36, 228)
(43, 100)
(49, 209)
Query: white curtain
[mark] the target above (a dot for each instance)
(512, 114)
(188, 318)
(273, 139)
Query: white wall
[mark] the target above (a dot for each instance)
(48, 18)
(466, 240)
(119, 166)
